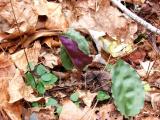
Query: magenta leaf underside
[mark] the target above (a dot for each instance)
(78, 58)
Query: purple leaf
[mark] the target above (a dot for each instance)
(78, 58)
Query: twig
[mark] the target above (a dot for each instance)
(135, 17)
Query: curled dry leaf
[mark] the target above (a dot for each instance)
(71, 112)
(7, 72)
(33, 53)
(38, 34)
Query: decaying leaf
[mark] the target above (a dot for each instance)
(53, 11)
(17, 90)
(102, 20)
(50, 60)
(87, 97)
(71, 112)
(108, 112)
(25, 16)
(32, 55)
(135, 1)
(7, 72)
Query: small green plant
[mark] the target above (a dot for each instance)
(101, 96)
(50, 102)
(74, 97)
(53, 102)
(39, 77)
(127, 89)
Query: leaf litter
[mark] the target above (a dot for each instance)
(92, 35)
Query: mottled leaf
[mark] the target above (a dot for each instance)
(81, 41)
(127, 89)
(79, 59)
(66, 61)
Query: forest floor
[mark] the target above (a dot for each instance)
(79, 60)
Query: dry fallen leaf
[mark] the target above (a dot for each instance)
(87, 97)
(33, 53)
(53, 11)
(50, 60)
(18, 89)
(50, 42)
(102, 20)
(24, 14)
(135, 1)
(7, 72)
(71, 112)
(108, 112)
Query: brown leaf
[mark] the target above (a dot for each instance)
(53, 11)
(38, 34)
(108, 112)
(71, 112)
(7, 72)
(87, 97)
(25, 16)
(32, 54)
(50, 60)
(109, 20)
(18, 89)
(50, 42)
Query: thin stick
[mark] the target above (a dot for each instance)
(19, 32)
(135, 17)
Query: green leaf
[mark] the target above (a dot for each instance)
(35, 104)
(48, 78)
(74, 97)
(102, 96)
(40, 88)
(41, 69)
(66, 61)
(127, 89)
(81, 41)
(51, 102)
(59, 109)
(30, 66)
(30, 80)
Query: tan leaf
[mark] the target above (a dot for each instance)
(18, 89)
(56, 19)
(32, 54)
(50, 60)
(105, 113)
(24, 14)
(135, 1)
(14, 111)
(46, 113)
(50, 42)
(107, 19)
(87, 97)
(7, 72)
(71, 112)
